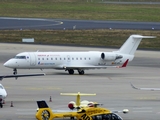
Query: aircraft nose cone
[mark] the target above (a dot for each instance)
(7, 64)
(3, 95)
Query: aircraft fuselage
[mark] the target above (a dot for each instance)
(58, 60)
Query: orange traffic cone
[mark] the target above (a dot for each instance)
(50, 99)
(11, 104)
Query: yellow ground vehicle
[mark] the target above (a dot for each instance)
(84, 113)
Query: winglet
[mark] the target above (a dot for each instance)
(134, 86)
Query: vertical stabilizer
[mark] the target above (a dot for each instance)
(42, 104)
(132, 43)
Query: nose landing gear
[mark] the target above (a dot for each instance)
(14, 71)
(1, 103)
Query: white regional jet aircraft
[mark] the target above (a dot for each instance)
(79, 61)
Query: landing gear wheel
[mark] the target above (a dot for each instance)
(71, 71)
(1, 105)
(45, 115)
(15, 71)
(81, 72)
(72, 118)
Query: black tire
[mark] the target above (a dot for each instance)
(81, 72)
(15, 71)
(71, 71)
(72, 118)
(1, 105)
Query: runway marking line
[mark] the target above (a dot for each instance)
(143, 108)
(142, 111)
(43, 88)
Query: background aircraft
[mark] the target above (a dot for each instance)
(80, 61)
(149, 89)
(3, 93)
(79, 104)
(86, 113)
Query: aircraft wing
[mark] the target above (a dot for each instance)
(94, 67)
(21, 75)
(149, 89)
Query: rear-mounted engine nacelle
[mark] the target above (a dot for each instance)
(110, 56)
(71, 105)
(91, 104)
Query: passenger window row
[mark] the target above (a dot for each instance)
(64, 58)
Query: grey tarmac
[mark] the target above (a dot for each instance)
(112, 86)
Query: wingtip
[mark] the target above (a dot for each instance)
(133, 86)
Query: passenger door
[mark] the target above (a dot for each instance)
(32, 59)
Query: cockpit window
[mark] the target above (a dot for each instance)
(20, 57)
(1, 87)
(109, 116)
(116, 117)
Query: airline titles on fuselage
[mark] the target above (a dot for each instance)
(58, 57)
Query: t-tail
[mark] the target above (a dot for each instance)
(131, 44)
(78, 99)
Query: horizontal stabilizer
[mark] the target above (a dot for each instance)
(75, 94)
(139, 36)
(21, 75)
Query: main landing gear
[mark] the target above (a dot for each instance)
(81, 72)
(1, 105)
(14, 71)
(71, 71)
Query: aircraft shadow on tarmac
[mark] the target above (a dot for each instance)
(92, 74)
